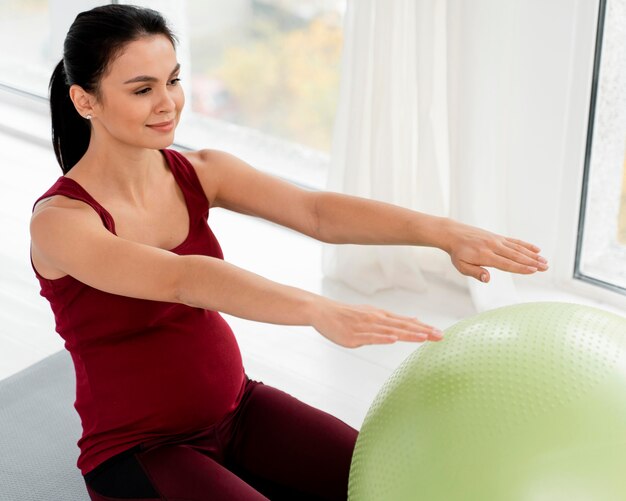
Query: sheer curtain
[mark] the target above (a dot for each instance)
(422, 123)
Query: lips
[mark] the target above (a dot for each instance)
(162, 126)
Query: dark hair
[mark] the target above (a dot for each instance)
(95, 38)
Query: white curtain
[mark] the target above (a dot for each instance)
(422, 123)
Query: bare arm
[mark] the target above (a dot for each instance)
(336, 218)
(348, 219)
(73, 240)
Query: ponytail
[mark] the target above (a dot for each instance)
(70, 131)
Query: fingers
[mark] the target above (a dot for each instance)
(405, 328)
(520, 252)
(506, 264)
(376, 338)
(352, 326)
(513, 263)
(509, 255)
(526, 245)
(372, 338)
(511, 260)
(474, 271)
(489, 250)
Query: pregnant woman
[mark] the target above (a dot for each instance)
(136, 281)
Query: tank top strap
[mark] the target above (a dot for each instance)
(188, 181)
(69, 188)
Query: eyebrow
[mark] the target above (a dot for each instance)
(146, 78)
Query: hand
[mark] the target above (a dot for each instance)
(471, 248)
(352, 326)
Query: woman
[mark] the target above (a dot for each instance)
(135, 278)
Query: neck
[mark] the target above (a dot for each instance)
(122, 171)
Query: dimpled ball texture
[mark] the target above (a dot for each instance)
(521, 403)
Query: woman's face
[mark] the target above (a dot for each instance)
(140, 97)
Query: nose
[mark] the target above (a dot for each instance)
(166, 103)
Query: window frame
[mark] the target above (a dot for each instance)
(582, 95)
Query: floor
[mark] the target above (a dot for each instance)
(296, 359)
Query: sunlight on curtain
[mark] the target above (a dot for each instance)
(431, 114)
(390, 140)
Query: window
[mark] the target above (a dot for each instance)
(261, 76)
(27, 61)
(601, 246)
(272, 65)
(261, 79)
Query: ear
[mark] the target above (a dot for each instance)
(83, 101)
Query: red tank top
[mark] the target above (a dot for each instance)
(145, 370)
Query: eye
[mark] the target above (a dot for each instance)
(142, 92)
(174, 81)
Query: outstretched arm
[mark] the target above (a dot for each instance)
(69, 238)
(336, 218)
(348, 219)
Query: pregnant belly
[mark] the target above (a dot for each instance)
(168, 381)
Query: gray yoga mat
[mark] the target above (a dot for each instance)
(39, 429)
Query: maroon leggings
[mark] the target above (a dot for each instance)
(272, 446)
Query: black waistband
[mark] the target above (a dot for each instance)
(111, 461)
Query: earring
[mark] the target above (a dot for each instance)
(88, 117)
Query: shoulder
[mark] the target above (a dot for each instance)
(60, 204)
(208, 159)
(54, 217)
(210, 166)
(56, 224)
(51, 216)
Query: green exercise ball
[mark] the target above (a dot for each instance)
(521, 403)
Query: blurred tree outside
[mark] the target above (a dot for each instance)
(281, 78)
